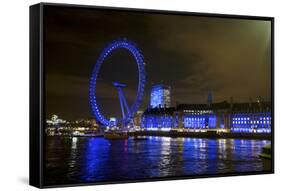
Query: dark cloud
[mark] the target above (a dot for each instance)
(195, 55)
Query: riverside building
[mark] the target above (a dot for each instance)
(251, 117)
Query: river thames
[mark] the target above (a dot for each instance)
(89, 160)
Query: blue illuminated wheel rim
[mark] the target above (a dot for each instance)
(132, 48)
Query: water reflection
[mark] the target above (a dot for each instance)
(76, 160)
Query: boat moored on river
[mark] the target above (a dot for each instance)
(115, 135)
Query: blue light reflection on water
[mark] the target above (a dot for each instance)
(79, 160)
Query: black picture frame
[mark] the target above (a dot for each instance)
(37, 92)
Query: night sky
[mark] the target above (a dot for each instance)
(195, 55)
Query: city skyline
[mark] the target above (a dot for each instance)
(228, 57)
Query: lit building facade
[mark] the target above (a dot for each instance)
(219, 117)
(160, 96)
(251, 122)
(158, 119)
(251, 117)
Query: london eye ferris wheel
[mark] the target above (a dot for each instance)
(128, 112)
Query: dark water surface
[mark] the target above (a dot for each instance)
(83, 160)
